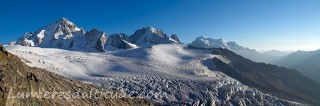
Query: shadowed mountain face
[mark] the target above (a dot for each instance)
(307, 63)
(279, 81)
(18, 78)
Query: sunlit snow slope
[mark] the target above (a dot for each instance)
(166, 73)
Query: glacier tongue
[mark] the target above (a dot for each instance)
(166, 73)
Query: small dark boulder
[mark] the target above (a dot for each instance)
(2, 49)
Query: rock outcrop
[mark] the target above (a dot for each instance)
(119, 41)
(175, 37)
(96, 39)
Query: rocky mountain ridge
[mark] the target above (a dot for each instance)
(66, 35)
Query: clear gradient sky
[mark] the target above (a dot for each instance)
(257, 24)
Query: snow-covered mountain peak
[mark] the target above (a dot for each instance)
(95, 33)
(231, 43)
(83, 31)
(65, 34)
(204, 38)
(95, 30)
(150, 35)
(58, 34)
(207, 42)
(25, 39)
(64, 21)
(203, 42)
(63, 24)
(222, 40)
(150, 28)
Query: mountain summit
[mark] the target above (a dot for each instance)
(63, 25)
(208, 43)
(59, 34)
(150, 35)
(66, 35)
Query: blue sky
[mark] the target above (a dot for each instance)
(257, 24)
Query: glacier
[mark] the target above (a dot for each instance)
(166, 73)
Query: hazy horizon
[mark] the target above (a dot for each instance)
(285, 25)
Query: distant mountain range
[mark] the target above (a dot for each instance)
(66, 35)
(210, 43)
(306, 62)
(280, 81)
